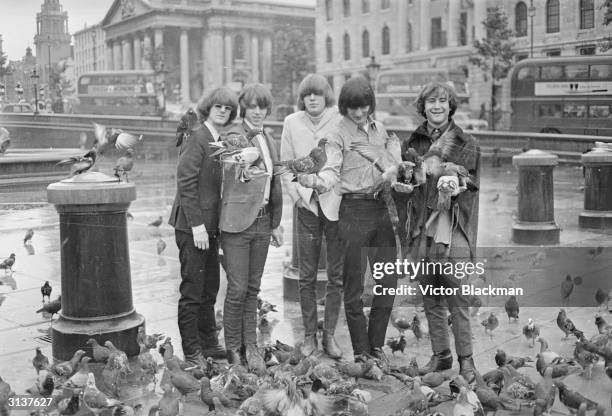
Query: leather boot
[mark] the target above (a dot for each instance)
(467, 368)
(196, 359)
(439, 362)
(310, 345)
(330, 347)
(216, 351)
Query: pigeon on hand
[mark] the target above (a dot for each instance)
(512, 308)
(157, 222)
(80, 164)
(28, 237)
(531, 332)
(124, 164)
(187, 123)
(52, 307)
(40, 361)
(8, 263)
(310, 164)
(228, 145)
(94, 399)
(45, 290)
(99, 353)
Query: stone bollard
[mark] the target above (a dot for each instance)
(535, 223)
(291, 289)
(597, 189)
(95, 264)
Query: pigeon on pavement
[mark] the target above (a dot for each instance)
(40, 361)
(52, 307)
(45, 291)
(94, 399)
(8, 263)
(28, 237)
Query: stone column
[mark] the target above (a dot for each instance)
(147, 49)
(452, 27)
(184, 63)
(117, 59)
(266, 77)
(480, 14)
(158, 38)
(137, 52)
(227, 44)
(424, 26)
(213, 56)
(109, 55)
(255, 57)
(127, 54)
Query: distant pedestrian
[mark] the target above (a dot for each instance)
(317, 213)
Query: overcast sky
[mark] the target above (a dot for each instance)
(18, 20)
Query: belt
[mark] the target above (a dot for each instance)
(352, 195)
(263, 211)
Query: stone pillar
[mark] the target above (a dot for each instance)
(95, 264)
(127, 54)
(213, 55)
(480, 14)
(109, 55)
(535, 223)
(184, 63)
(158, 38)
(147, 50)
(227, 43)
(597, 189)
(452, 27)
(424, 26)
(117, 59)
(266, 77)
(255, 57)
(137, 52)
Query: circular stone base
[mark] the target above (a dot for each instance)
(595, 219)
(535, 234)
(69, 335)
(291, 289)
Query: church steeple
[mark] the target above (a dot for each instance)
(52, 37)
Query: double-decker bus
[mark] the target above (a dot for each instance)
(397, 90)
(118, 93)
(568, 95)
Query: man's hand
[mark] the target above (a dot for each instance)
(277, 237)
(311, 180)
(200, 237)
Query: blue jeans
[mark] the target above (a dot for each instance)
(198, 288)
(310, 230)
(244, 256)
(367, 230)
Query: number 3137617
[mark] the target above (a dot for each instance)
(29, 402)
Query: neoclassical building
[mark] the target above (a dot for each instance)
(202, 43)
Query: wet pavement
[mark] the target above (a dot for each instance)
(155, 280)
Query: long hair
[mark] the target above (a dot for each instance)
(437, 89)
(355, 93)
(257, 93)
(315, 84)
(221, 95)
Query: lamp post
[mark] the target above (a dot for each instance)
(160, 75)
(34, 76)
(531, 11)
(373, 67)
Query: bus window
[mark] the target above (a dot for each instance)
(527, 72)
(577, 71)
(554, 72)
(599, 111)
(550, 110)
(601, 71)
(574, 111)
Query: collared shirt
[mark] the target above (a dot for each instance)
(431, 129)
(267, 159)
(347, 171)
(213, 130)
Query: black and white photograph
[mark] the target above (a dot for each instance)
(306, 207)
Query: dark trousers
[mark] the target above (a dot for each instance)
(199, 287)
(310, 229)
(367, 231)
(244, 256)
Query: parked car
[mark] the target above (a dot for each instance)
(465, 121)
(24, 108)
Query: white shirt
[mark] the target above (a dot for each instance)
(213, 130)
(267, 159)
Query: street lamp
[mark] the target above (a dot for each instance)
(373, 67)
(34, 76)
(531, 11)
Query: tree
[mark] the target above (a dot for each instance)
(606, 43)
(294, 59)
(493, 54)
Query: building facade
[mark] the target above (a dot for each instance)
(413, 34)
(52, 37)
(90, 50)
(200, 43)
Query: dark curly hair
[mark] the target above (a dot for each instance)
(356, 92)
(437, 89)
(223, 96)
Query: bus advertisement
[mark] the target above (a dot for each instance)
(130, 93)
(567, 95)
